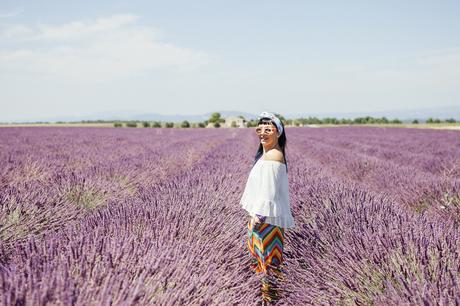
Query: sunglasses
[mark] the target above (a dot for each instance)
(261, 130)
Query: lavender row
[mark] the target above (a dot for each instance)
(404, 183)
(51, 177)
(356, 246)
(430, 151)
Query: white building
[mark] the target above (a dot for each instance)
(235, 121)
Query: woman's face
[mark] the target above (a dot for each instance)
(267, 133)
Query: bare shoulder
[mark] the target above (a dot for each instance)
(274, 155)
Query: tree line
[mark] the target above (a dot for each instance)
(216, 120)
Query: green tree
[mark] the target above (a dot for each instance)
(358, 120)
(185, 124)
(415, 121)
(216, 119)
(251, 123)
(169, 124)
(330, 121)
(146, 124)
(156, 124)
(311, 120)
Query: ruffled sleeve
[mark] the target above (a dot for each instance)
(266, 191)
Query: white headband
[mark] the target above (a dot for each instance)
(275, 120)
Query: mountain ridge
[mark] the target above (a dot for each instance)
(443, 112)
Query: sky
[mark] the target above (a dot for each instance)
(71, 58)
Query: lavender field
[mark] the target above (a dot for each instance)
(105, 216)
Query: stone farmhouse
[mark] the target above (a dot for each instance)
(234, 122)
(230, 122)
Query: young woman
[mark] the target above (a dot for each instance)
(266, 199)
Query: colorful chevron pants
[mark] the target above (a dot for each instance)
(266, 246)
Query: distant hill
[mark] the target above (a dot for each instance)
(132, 115)
(190, 118)
(421, 114)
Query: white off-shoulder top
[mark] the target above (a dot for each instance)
(267, 193)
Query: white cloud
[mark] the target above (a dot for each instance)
(95, 50)
(84, 29)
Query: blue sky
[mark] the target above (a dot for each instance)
(61, 58)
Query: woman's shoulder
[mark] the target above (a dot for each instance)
(274, 155)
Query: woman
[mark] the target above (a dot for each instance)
(266, 199)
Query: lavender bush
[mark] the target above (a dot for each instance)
(94, 216)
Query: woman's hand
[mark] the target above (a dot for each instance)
(256, 223)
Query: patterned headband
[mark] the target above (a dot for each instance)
(275, 120)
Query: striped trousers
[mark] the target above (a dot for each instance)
(265, 246)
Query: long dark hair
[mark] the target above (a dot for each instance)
(281, 141)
